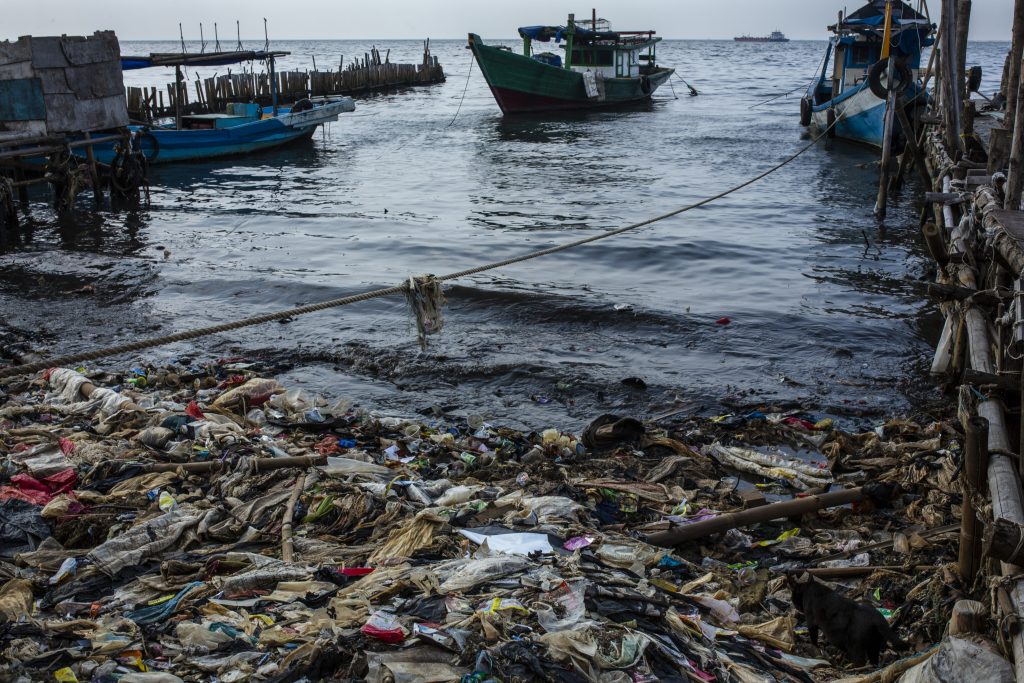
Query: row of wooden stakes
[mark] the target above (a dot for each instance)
(213, 94)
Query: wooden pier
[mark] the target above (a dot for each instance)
(59, 96)
(973, 227)
(372, 73)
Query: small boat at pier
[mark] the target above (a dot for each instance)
(850, 91)
(775, 37)
(601, 68)
(243, 128)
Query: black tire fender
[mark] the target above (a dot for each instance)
(302, 105)
(973, 79)
(830, 131)
(902, 76)
(805, 111)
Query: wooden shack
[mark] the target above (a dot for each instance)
(56, 85)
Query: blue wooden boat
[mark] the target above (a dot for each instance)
(245, 127)
(850, 90)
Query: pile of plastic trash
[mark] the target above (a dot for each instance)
(204, 523)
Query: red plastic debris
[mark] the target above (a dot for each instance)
(723, 321)
(39, 491)
(193, 411)
(799, 423)
(67, 446)
(355, 571)
(327, 445)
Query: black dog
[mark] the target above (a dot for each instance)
(855, 628)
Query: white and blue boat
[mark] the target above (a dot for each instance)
(850, 91)
(243, 128)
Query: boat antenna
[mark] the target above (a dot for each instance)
(266, 37)
(181, 32)
(202, 39)
(238, 30)
(593, 18)
(216, 38)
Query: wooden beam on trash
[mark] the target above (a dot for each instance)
(764, 513)
(262, 464)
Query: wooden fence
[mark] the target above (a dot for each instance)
(370, 73)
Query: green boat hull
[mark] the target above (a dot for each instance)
(522, 85)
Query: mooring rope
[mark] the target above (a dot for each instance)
(816, 75)
(163, 340)
(469, 72)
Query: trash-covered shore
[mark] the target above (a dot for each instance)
(203, 523)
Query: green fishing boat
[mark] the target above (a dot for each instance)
(601, 68)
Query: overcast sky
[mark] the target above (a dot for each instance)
(134, 20)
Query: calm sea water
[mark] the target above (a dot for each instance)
(826, 308)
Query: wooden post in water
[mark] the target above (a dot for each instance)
(972, 481)
(273, 85)
(178, 78)
(94, 176)
(1013, 72)
(1015, 174)
(954, 79)
(890, 111)
(963, 23)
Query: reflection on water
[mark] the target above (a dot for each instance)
(824, 308)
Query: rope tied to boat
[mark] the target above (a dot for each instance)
(427, 288)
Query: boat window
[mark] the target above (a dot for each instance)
(861, 53)
(592, 57)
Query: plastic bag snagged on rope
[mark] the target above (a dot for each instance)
(426, 298)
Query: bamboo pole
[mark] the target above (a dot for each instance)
(936, 245)
(846, 572)
(1013, 73)
(287, 547)
(1003, 480)
(1015, 174)
(963, 23)
(94, 175)
(950, 78)
(764, 513)
(890, 111)
(262, 464)
(975, 469)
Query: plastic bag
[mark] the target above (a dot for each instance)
(348, 467)
(466, 574)
(563, 607)
(457, 494)
(199, 638)
(508, 544)
(253, 393)
(958, 660)
(384, 626)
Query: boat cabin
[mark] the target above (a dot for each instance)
(857, 44)
(592, 46)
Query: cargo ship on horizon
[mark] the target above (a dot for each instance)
(775, 37)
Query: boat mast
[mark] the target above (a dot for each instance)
(568, 40)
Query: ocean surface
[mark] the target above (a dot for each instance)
(826, 307)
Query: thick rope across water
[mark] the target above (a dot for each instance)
(75, 358)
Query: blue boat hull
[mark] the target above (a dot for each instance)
(165, 145)
(860, 114)
(192, 145)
